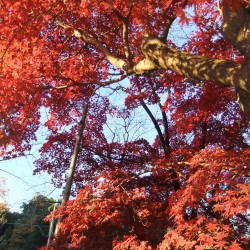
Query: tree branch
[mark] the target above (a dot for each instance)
(125, 33)
(90, 40)
(124, 158)
(76, 83)
(170, 21)
(157, 127)
(222, 72)
(143, 67)
(203, 138)
(166, 131)
(165, 32)
(165, 122)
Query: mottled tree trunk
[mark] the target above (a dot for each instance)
(236, 29)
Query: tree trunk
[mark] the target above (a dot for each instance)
(222, 72)
(219, 71)
(67, 189)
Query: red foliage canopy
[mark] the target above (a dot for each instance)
(164, 161)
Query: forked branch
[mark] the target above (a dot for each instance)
(124, 20)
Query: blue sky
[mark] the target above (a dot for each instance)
(22, 185)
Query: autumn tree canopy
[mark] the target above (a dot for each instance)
(164, 161)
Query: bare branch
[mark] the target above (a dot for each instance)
(203, 134)
(123, 158)
(165, 122)
(16, 177)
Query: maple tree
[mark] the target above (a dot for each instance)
(183, 186)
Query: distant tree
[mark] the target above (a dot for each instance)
(3, 204)
(3, 211)
(7, 229)
(30, 231)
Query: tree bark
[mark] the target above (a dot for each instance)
(222, 72)
(236, 28)
(219, 71)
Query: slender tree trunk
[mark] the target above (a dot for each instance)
(67, 189)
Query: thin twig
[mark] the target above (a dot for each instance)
(16, 177)
(76, 83)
